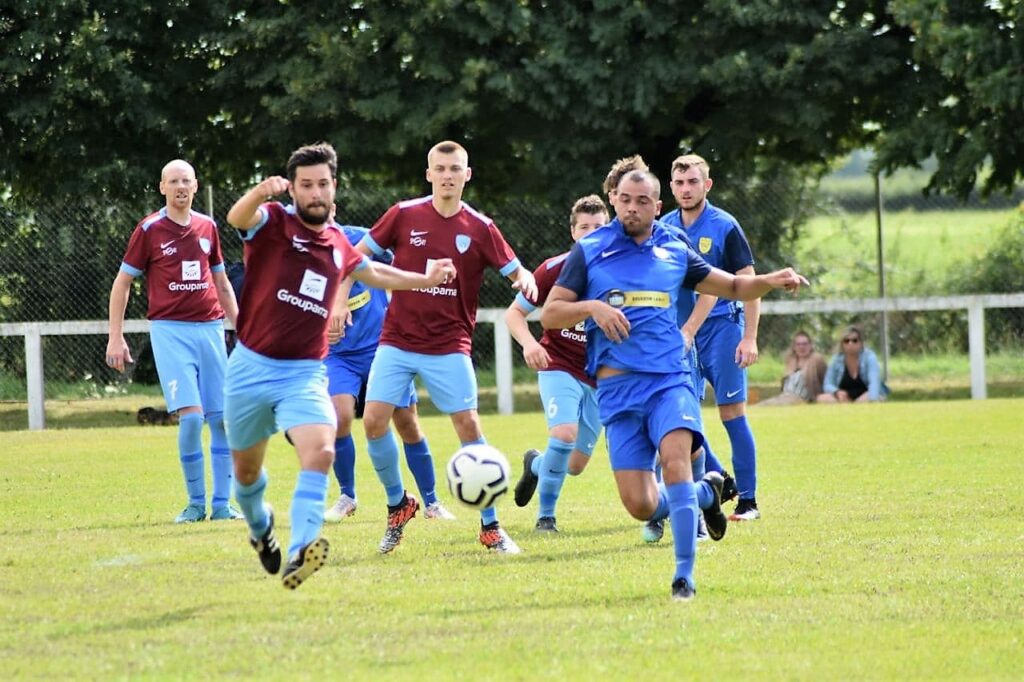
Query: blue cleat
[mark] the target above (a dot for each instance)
(191, 514)
(225, 513)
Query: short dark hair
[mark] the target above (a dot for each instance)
(312, 155)
(620, 168)
(643, 176)
(590, 204)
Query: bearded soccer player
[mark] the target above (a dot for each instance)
(178, 250)
(567, 394)
(428, 332)
(624, 281)
(295, 260)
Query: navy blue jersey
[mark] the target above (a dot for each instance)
(367, 304)
(717, 236)
(644, 280)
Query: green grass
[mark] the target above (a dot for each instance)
(890, 548)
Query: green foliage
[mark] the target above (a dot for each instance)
(885, 588)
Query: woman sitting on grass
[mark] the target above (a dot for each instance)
(804, 371)
(853, 375)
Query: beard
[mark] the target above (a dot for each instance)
(316, 214)
(635, 227)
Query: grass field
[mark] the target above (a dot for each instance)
(891, 547)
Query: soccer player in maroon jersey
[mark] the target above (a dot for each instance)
(189, 294)
(567, 394)
(428, 332)
(295, 260)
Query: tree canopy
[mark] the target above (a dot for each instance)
(544, 94)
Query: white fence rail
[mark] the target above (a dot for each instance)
(503, 346)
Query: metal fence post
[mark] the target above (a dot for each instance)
(503, 365)
(976, 348)
(34, 378)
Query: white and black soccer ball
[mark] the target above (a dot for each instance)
(478, 475)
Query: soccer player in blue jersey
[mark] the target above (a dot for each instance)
(567, 394)
(178, 250)
(348, 368)
(725, 332)
(624, 281)
(295, 259)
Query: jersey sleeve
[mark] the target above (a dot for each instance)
(697, 269)
(136, 256)
(574, 273)
(351, 259)
(384, 232)
(498, 253)
(736, 254)
(216, 256)
(266, 212)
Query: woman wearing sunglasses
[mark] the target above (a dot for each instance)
(853, 375)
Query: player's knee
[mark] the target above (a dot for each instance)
(215, 420)
(577, 463)
(467, 425)
(375, 424)
(407, 426)
(564, 432)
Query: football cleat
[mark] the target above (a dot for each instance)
(713, 516)
(528, 481)
(266, 546)
(493, 536)
(436, 510)
(702, 529)
(308, 561)
(225, 513)
(397, 518)
(746, 510)
(191, 514)
(682, 590)
(345, 506)
(653, 531)
(729, 489)
(546, 524)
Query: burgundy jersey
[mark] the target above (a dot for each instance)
(567, 348)
(291, 276)
(438, 320)
(177, 261)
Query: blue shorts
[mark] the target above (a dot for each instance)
(347, 373)
(639, 409)
(191, 360)
(263, 395)
(449, 379)
(567, 400)
(716, 346)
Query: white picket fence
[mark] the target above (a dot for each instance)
(503, 345)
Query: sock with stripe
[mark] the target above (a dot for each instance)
(250, 502)
(307, 511)
(220, 461)
(190, 453)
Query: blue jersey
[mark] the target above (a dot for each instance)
(644, 280)
(718, 238)
(367, 304)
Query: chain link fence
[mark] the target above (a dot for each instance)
(57, 263)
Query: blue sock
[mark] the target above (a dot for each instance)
(384, 455)
(489, 515)
(220, 461)
(250, 501)
(190, 452)
(345, 465)
(662, 511)
(705, 493)
(698, 465)
(683, 517)
(744, 456)
(421, 464)
(552, 475)
(307, 512)
(711, 462)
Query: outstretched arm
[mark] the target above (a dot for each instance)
(381, 276)
(748, 287)
(243, 215)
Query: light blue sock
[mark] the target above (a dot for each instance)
(536, 464)
(552, 475)
(384, 455)
(421, 464)
(489, 515)
(220, 461)
(190, 452)
(744, 456)
(711, 462)
(307, 512)
(662, 511)
(345, 465)
(683, 517)
(250, 501)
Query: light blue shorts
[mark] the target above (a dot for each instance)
(346, 374)
(567, 400)
(449, 379)
(263, 395)
(191, 359)
(639, 409)
(716, 347)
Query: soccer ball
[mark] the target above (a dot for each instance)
(478, 475)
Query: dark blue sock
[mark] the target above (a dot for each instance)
(421, 464)
(552, 475)
(307, 512)
(744, 456)
(220, 461)
(190, 453)
(345, 465)
(250, 501)
(683, 517)
(489, 515)
(663, 508)
(711, 462)
(384, 455)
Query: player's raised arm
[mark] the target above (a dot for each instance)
(381, 276)
(244, 214)
(748, 287)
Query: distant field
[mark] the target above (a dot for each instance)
(890, 548)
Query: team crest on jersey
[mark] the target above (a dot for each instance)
(704, 244)
(337, 259)
(204, 244)
(190, 271)
(313, 285)
(660, 253)
(462, 242)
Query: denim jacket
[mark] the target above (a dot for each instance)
(870, 373)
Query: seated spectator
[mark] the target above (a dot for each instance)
(804, 372)
(853, 375)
